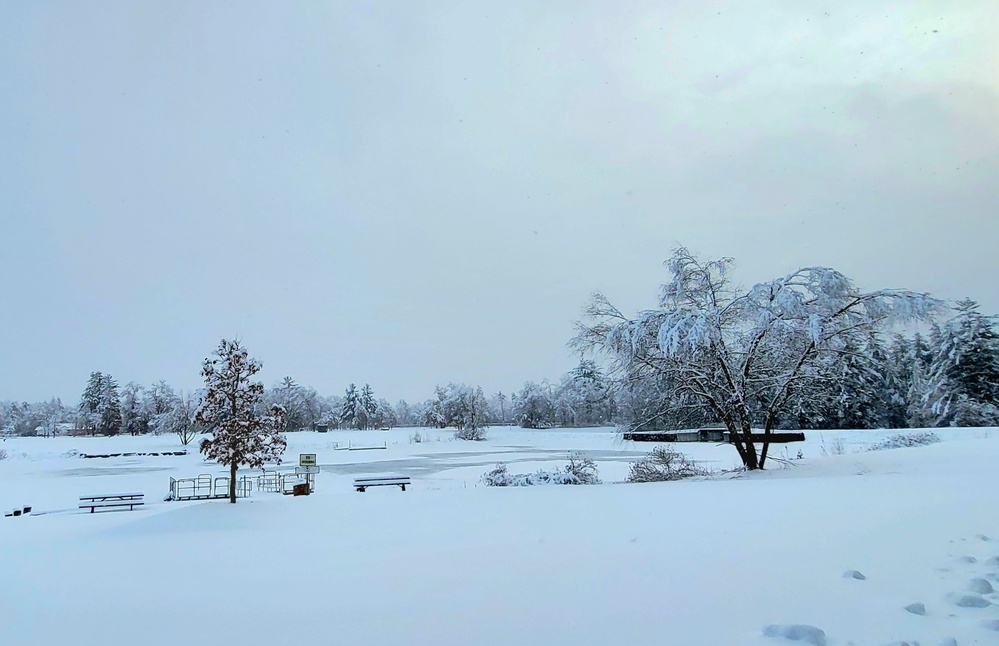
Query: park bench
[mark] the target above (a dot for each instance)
(380, 481)
(110, 501)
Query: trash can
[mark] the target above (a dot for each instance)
(300, 489)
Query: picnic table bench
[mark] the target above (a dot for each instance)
(111, 500)
(380, 481)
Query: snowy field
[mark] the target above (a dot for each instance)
(450, 562)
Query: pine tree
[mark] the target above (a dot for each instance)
(367, 407)
(350, 408)
(133, 421)
(229, 411)
(966, 369)
(110, 408)
(90, 402)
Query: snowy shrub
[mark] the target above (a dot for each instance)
(498, 477)
(579, 471)
(664, 464)
(470, 433)
(417, 438)
(904, 440)
(583, 469)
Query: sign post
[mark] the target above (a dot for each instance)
(307, 467)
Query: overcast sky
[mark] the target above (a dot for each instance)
(410, 193)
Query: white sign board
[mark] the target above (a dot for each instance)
(307, 459)
(299, 471)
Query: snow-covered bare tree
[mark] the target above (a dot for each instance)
(498, 406)
(292, 398)
(182, 420)
(533, 406)
(743, 353)
(229, 412)
(157, 404)
(405, 415)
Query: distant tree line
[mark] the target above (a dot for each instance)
(806, 351)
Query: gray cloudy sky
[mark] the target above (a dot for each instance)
(410, 193)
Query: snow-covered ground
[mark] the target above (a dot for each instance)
(449, 562)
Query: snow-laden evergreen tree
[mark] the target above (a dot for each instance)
(367, 407)
(133, 419)
(852, 394)
(965, 370)
(90, 402)
(110, 408)
(350, 409)
(744, 354)
(239, 434)
(100, 409)
(583, 397)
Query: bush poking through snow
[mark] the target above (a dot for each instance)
(580, 470)
(417, 438)
(583, 469)
(664, 464)
(468, 433)
(905, 440)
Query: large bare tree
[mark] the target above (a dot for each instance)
(743, 353)
(240, 434)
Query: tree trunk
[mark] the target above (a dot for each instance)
(232, 482)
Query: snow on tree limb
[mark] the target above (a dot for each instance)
(743, 353)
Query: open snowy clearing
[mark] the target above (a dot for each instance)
(714, 561)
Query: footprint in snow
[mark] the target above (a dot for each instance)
(963, 600)
(980, 586)
(991, 624)
(916, 608)
(983, 537)
(797, 632)
(854, 574)
(967, 559)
